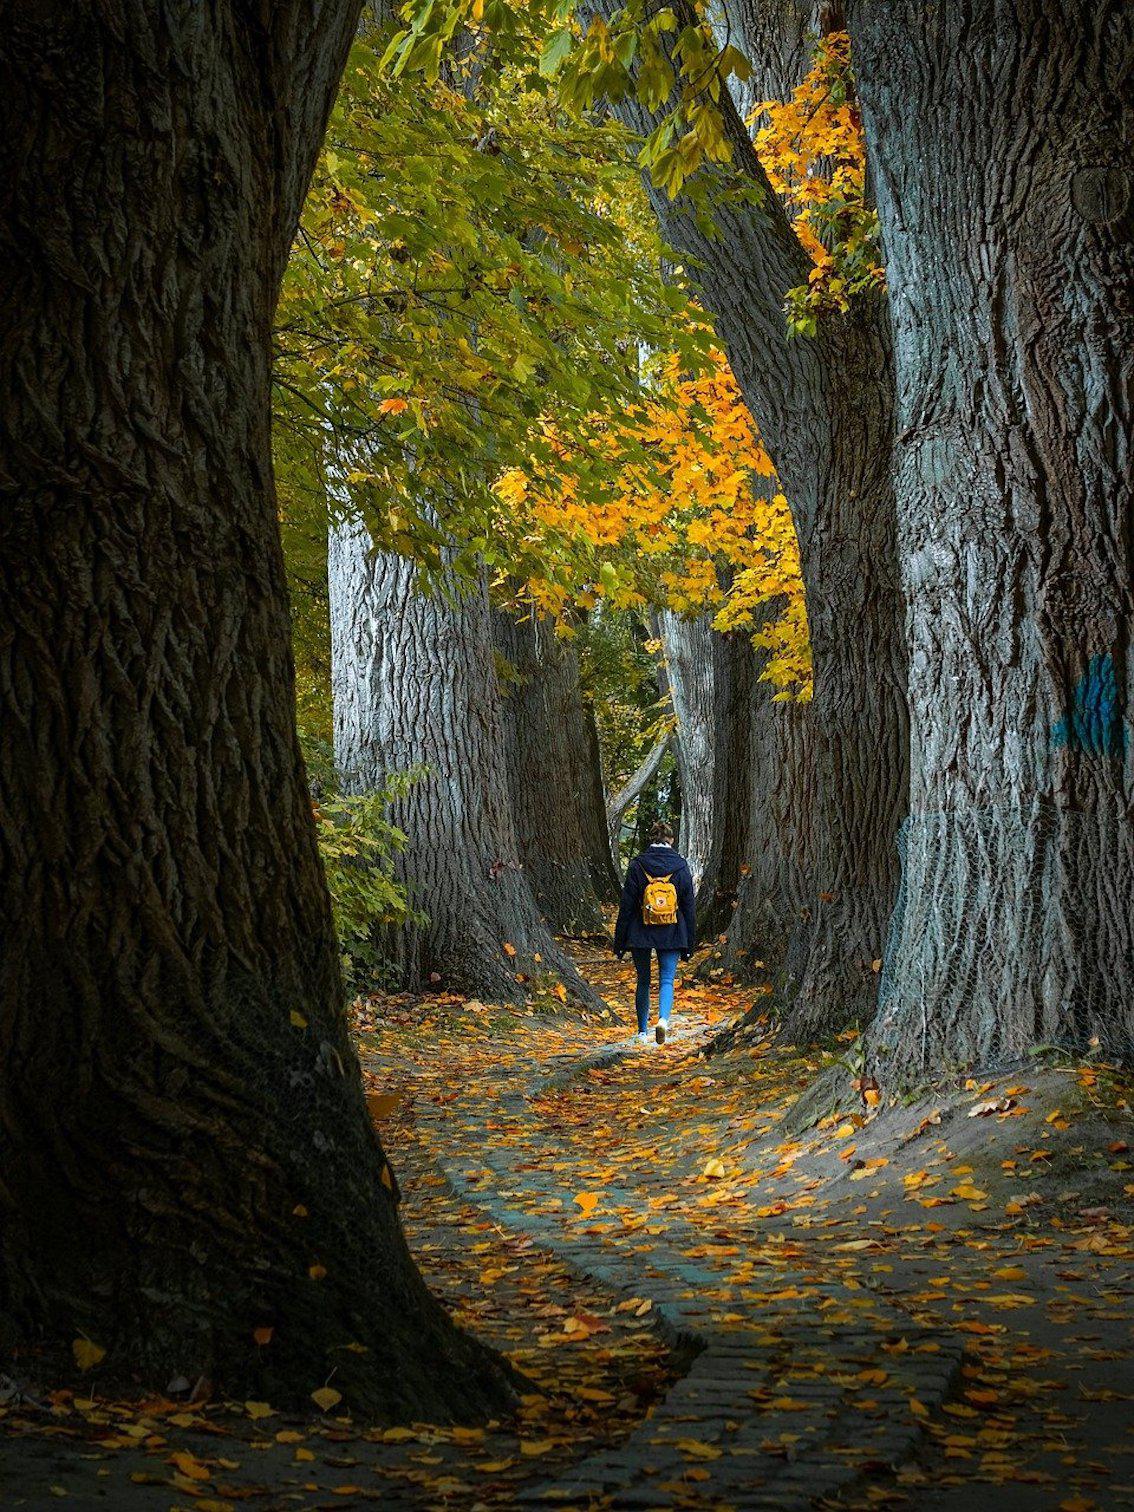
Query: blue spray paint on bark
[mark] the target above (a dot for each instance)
(1094, 722)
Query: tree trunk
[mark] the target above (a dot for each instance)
(695, 678)
(769, 937)
(549, 751)
(415, 684)
(592, 797)
(640, 782)
(1000, 138)
(825, 411)
(183, 1134)
(709, 684)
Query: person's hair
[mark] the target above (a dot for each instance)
(661, 833)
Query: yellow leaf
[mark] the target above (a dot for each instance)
(509, 948)
(304, 1456)
(316, 1271)
(298, 1020)
(258, 1410)
(968, 1192)
(382, 1104)
(1011, 1273)
(698, 1449)
(87, 1355)
(189, 1465)
(326, 1398)
(588, 1201)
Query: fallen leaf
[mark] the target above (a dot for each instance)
(189, 1465)
(87, 1355)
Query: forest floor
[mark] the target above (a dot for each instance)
(922, 1305)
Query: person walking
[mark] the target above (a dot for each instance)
(656, 914)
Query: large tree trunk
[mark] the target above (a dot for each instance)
(825, 411)
(183, 1135)
(1001, 137)
(415, 684)
(551, 775)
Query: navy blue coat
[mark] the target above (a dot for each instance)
(630, 932)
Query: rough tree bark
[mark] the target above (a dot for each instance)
(415, 683)
(825, 411)
(768, 939)
(552, 750)
(1001, 136)
(182, 1126)
(695, 675)
(710, 682)
(596, 830)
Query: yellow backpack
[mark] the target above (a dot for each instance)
(659, 901)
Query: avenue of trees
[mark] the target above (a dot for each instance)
(774, 474)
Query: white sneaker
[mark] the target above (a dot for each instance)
(661, 1031)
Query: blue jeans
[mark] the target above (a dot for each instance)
(667, 971)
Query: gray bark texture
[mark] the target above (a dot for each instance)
(825, 408)
(710, 683)
(415, 684)
(1001, 137)
(695, 677)
(554, 776)
(182, 1124)
(769, 937)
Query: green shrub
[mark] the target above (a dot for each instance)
(359, 844)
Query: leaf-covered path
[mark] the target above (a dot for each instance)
(903, 1306)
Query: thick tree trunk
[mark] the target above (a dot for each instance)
(415, 684)
(185, 1154)
(825, 411)
(1001, 137)
(550, 775)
